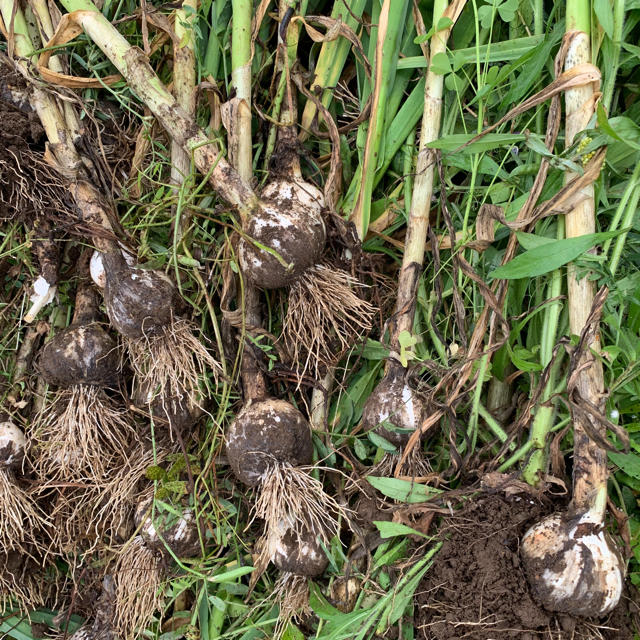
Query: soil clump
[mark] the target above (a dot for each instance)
(477, 590)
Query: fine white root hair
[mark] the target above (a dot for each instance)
(20, 589)
(291, 594)
(290, 498)
(94, 513)
(81, 435)
(138, 578)
(172, 363)
(415, 466)
(20, 517)
(325, 318)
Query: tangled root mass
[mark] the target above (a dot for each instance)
(325, 318)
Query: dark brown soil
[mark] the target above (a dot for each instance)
(20, 129)
(476, 588)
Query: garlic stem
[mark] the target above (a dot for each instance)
(418, 223)
(590, 461)
(184, 83)
(135, 68)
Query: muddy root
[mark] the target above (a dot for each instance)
(324, 319)
(172, 363)
(20, 517)
(292, 499)
(138, 578)
(81, 435)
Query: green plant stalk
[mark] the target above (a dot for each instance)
(390, 27)
(132, 64)
(625, 212)
(590, 484)
(212, 53)
(184, 83)
(41, 11)
(403, 123)
(493, 424)
(534, 470)
(241, 81)
(472, 430)
(333, 55)
(407, 168)
(614, 63)
(528, 445)
(418, 223)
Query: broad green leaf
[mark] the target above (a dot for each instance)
(497, 52)
(440, 64)
(531, 240)
(402, 490)
(407, 342)
(604, 13)
(627, 131)
(603, 123)
(489, 142)
(628, 462)
(292, 633)
(381, 442)
(374, 350)
(320, 605)
(549, 256)
(391, 529)
(359, 449)
(508, 9)
(443, 23)
(631, 48)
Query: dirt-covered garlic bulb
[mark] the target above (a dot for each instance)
(285, 236)
(394, 410)
(161, 528)
(83, 353)
(142, 564)
(82, 432)
(573, 565)
(12, 446)
(167, 357)
(300, 553)
(263, 432)
(139, 302)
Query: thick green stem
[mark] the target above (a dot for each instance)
(241, 81)
(534, 470)
(418, 222)
(590, 461)
(390, 25)
(184, 83)
(135, 68)
(333, 55)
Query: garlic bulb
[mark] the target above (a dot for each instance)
(267, 431)
(395, 403)
(12, 445)
(573, 565)
(300, 553)
(289, 223)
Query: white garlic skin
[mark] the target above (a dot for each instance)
(96, 267)
(573, 565)
(12, 445)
